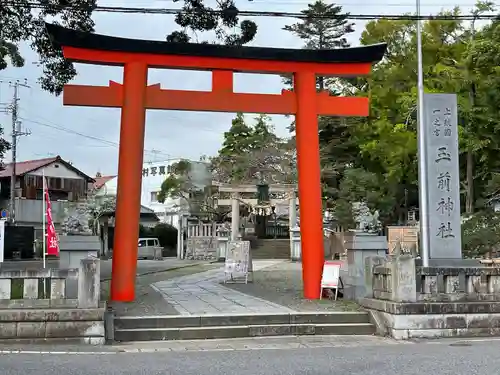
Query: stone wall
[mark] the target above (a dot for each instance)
(410, 301)
(34, 304)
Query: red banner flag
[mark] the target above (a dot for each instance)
(52, 243)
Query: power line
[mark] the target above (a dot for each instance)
(251, 13)
(102, 140)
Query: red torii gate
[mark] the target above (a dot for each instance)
(134, 96)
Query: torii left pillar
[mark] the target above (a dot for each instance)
(128, 197)
(311, 220)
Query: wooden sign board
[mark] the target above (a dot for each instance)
(331, 277)
(238, 264)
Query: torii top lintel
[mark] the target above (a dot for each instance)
(106, 50)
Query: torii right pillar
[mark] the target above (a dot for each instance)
(311, 208)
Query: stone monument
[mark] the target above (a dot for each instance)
(451, 297)
(76, 242)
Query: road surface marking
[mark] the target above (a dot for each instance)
(52, 352)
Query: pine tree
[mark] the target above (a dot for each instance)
(253, 153)
(323, 26)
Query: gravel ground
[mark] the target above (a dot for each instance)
(282, 284)
(148, 301)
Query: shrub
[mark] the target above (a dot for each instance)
(166, 234)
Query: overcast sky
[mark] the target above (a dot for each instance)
(59, 130)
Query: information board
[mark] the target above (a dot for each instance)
(238, 262)
(331, 276)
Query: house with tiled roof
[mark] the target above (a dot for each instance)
(65, 183)
(103, 185)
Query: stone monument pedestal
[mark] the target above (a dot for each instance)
(72, 249)
(409, 301)
(359, 247)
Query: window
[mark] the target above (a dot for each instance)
(154, 196)
(142, 243)
(151, 242)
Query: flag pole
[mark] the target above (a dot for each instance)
(44, 218)
(422, 151)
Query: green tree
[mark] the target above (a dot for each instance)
(452, 63)
(325, 26)
(481, 234)
(250, 154)
(23, 21)
(322, 26)
(4, 147)
(193, 189)
(195, 17)
(359, 188)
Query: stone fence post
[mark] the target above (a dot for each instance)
(89, 280)
(222, 248)
(295, 244)
(404, 279)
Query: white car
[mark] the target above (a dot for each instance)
(148, 248)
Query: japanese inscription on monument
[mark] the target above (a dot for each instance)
(443, 179)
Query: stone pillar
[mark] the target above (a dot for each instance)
(235, 216)
(295, 245)
(89, 283)
(105, 236)
(292, 210)
(222, 248)
(180, 236)
(403, 280)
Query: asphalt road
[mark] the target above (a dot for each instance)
(411, 359)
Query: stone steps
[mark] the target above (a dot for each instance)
(155, 328)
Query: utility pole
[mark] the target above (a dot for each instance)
(16, 133)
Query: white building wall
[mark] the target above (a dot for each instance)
(154, 173)
(56, 170)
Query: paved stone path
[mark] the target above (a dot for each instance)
(202, 294)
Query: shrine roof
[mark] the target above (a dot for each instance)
(63, 37)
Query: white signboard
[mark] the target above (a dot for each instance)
(238, 261)
(2, 240)
(331, 277)
(443, 178)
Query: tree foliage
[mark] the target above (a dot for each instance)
(254, 153)
(322, 26)
(24, 21)
(481, 234)
(196, 17)
(359, 189)
(458, 57)
(82, 217)
(326, 26)
(191, 191)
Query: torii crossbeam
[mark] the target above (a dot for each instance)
(134, 97)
